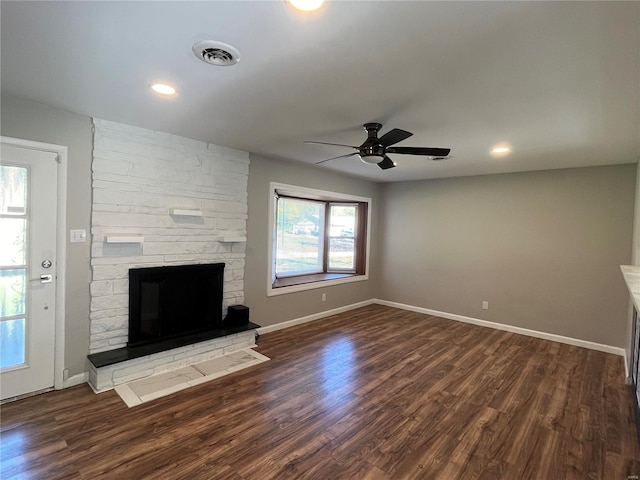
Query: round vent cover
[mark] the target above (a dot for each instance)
(216, 53)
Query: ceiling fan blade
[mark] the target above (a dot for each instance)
(325, 143)
(394, 136)
(431, 152)
(341, 156)
(386, 163)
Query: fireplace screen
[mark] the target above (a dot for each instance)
(175, 301)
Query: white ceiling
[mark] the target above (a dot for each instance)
(559, 81)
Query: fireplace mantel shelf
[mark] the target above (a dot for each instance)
(232, 239)
(111, 357)
(181, 212)
(123, 238)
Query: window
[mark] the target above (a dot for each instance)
(300, 237)
(319, 239)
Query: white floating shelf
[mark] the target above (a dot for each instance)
(232, 239)
(123, 238)
(180, 212)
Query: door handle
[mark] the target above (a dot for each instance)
(47, 278)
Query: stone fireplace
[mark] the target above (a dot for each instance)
(161, 200)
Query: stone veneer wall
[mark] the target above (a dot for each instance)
(139, 176)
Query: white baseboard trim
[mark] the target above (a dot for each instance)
(311, 318)
(510, 328)
(84, 377)
(627, 374)
(76, 380)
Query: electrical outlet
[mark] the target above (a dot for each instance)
(485, 305)
(324, 297)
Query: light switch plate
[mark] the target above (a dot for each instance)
(77, 236)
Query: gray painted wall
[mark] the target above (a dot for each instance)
(635, 257)
(38, 122)
(544, 248)
(271, 310)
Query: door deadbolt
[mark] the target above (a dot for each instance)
(47, 264)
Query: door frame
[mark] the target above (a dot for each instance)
(61, 246)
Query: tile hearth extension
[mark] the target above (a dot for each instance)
(105, 377)
(157, 386)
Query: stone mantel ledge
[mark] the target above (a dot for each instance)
(631, 276)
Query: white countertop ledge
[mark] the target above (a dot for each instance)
(631, 276)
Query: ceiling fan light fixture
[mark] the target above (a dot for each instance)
(371, 159)
(305, 5)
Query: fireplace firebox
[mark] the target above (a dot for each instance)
(174, 301)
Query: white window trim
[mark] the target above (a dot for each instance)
(311, 193)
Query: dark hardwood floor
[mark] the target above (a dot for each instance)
(375, 393)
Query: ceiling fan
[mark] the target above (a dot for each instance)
(374, 150)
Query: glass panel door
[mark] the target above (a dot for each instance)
(13, 265)
(28, 278)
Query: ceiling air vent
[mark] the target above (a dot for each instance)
(216, 53)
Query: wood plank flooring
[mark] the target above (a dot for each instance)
(375, 393)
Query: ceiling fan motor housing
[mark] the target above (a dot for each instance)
(372, 130)
(372, 151)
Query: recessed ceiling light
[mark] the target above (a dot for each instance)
(500, 150)
(163, 89)
(305, 5)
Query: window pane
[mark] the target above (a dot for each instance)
(341, 254)
(343, 220)
(13, 185)
(12, 341)
(12, 241)
(299, 236)
(12, 292)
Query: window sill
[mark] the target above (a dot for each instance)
(313, 278)
(309, 282)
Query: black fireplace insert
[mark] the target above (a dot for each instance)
(174, 301)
